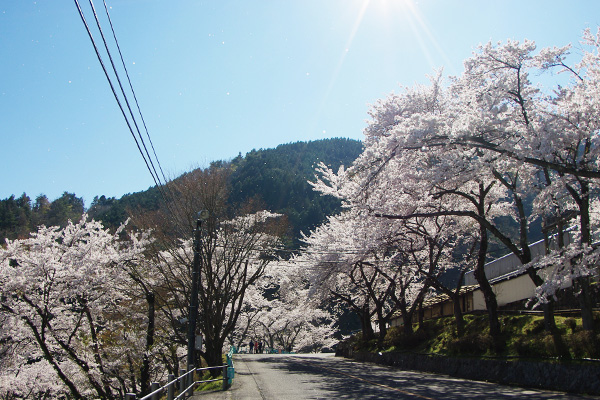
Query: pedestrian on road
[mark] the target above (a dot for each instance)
(251, 346)
(260, 347)
(256, 347)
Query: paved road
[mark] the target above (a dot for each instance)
(319, 376)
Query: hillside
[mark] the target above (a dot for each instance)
(279, 178)
(276, 177)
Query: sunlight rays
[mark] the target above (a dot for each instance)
(401, 24)
(408, 13)
(421, 31)
(345, 51)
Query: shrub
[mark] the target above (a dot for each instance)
(397, 338)
(472, 344)
(571, 323)
(535, 326)
(535, 346)
(585, 344)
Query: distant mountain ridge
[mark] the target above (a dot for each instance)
(278, 177)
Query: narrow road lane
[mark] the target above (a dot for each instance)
(318, 376)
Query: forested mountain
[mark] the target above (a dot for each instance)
(277, 178)
(19, 216)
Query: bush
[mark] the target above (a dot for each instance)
(535, 326)
(522, 336)
(473, 344)
(397, 338)
(571, 323)
(535, 346)
(585, 344)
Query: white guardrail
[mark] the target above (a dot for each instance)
(184, 384)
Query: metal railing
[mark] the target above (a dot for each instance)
(184, 384)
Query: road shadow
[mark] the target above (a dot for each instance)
(346, 379)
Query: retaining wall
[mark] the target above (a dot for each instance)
(566, 377)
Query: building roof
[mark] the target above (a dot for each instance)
(440, 298)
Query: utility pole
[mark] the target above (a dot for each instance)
(193, 311)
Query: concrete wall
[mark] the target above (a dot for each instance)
(478, 300)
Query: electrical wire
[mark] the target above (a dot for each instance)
(133, 92)
(151, 167)
(162, 187)
(113, 88)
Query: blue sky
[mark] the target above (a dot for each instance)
(219, 78)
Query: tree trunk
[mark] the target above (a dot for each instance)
(365, 323)
(131, 373)
(586, 297)
(458, 316)
(407, 317)
(382, 333)
(549, 322)
(488, 294)
(421, 313)
(550, 326)
(586, 303)
(213, 355)
(145, 370)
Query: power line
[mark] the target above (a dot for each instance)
(151, 168)
(162, 187)
(113, 88)
(134, 96)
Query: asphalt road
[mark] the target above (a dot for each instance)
(322, 376)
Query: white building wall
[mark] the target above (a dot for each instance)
(516, 289)
(513, 289)
(498, 267)
(510, 262)
(478, 300)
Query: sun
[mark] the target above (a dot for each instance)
(391, 7)
(409, 14)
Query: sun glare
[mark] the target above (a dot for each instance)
(391, 16)
(408, 13)
(344, 53)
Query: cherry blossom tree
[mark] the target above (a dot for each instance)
(291, 318)
(433, 244)
(557, 133)
(236, 247)
(59, 295)
(481, 146)
(151, 350)
(234, 255)
(356, 262)
(404, 174)
(256, 301)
